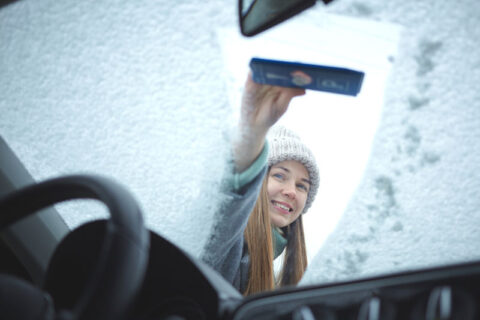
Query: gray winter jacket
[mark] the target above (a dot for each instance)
(226, 251)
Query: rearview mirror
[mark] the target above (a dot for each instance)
(256, 16)
(6, 2)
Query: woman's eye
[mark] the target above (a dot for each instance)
(303, 187)
(278, 175)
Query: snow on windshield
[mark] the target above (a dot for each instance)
(417, 204)
(137, 91)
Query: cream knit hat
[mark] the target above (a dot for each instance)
(286, 145)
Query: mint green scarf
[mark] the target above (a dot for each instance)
(279, 242)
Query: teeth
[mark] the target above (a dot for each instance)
(283, 206)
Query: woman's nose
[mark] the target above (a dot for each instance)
(289, 191)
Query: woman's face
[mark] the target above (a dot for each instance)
(287, 188)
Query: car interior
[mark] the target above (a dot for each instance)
(116, 268)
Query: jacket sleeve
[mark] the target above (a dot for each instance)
(224, 250)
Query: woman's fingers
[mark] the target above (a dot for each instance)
(263, 105)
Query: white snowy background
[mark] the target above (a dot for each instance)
(144, 92)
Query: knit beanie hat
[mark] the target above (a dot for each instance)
(285, 145)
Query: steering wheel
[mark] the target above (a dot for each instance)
(120, 270)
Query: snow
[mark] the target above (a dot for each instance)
(141, 92)
(417, 204)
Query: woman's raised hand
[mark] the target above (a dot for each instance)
(262, 107)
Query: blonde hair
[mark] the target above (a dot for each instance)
(258, 237)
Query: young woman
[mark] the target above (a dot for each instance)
(274, 183)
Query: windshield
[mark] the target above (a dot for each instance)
(148, 93)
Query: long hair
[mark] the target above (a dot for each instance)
(258, 237)
(295, 259)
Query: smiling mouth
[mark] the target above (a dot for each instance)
(282, 206)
